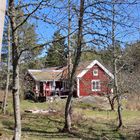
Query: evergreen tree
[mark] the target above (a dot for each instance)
(107, 55)
(27, 39)
(57, 52)
(132, 58)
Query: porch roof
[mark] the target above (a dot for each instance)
(46, 75)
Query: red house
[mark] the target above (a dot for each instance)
(92, 78)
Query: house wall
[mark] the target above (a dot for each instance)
(85, 82)
(30, 83)
(47, 88)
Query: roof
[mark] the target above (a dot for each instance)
(82, 66)
(90, 65)
(46, 75)
(58, 73)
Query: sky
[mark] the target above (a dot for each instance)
(134, 33)
(45, 30)
(124, 34)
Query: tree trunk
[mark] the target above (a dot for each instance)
(8, 73)
(68, 108)
(112, 106)
(2, 17)
(116, 87)
(117, 96)
(119, 113)
(15, 58)
(111, 102)
(67, 127)
(69, 43)
(16, 102)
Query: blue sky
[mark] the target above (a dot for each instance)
(45, 31)
(124, 34)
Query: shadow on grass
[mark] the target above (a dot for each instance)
(8, 124)
(102, 131)
(47, 134)
(57, 134)
(90, 130)
(88, 133)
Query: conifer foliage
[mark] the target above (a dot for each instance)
(57, 52)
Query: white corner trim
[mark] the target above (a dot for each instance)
(78, 88)
(91, 65)
(30, 72)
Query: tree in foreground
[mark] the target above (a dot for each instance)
(67, 126)
(2, 17)
(8, 70)
(16, 54)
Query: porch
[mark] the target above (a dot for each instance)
(51, 88)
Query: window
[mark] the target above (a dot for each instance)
(95, 72)
(96, 85)
(65, 85)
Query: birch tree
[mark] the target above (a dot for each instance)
(16, 53)
(2, 17)
(31, 8)
(8, 71)
(67, 126)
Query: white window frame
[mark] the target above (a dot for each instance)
(65, 85)
(95, 72)
(99, 89)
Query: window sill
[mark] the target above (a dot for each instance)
(96, 90)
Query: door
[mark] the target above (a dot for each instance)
(41, 88)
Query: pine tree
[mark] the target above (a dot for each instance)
(57, 52)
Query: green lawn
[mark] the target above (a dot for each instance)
(87, 123)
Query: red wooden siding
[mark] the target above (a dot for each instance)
(47, 89)
(85, 82)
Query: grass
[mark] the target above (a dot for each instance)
(88, 123)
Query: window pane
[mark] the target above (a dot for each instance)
(95, 72)
(94, 85)
(97, 85)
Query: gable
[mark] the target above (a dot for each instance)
(95, 62)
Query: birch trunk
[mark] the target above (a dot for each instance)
(8, 73)
(16, 103)
(118, 97)
(15, 58)
(116, 87)
(2, 17)
(111, 102)
(67, 126)
(69, 42)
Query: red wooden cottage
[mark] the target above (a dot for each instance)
(92, 78)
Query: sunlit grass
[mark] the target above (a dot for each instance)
(89, 122)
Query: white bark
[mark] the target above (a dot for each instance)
(69, 43)
(68, 107)
(116, 87)
(2, 17)
(15, 64)
(8, 73)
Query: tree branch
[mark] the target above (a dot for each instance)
(20, 24)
